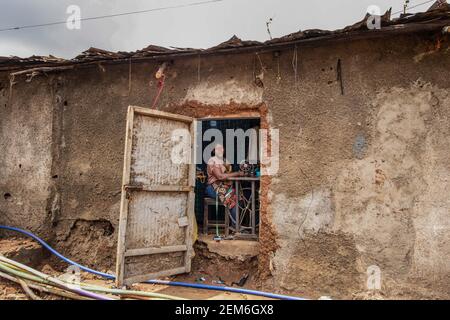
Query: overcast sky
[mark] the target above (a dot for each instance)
(199, 26)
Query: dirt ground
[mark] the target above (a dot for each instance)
(208, 268)
(224, 263)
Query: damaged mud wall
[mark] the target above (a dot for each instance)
(361, 172)
(364, 130)
(25, 154)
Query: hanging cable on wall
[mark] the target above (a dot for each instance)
(259, 78)
(295, 65)
(198, 68)
(277, 55)
(129, 77)
(160, 76)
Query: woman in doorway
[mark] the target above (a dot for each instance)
(219, 170)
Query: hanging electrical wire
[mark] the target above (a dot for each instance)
(295, 64)
(412, 7)
(158, 9)
(111, 15)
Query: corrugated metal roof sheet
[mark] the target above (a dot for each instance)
(437, 16)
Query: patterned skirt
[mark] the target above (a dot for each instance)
(226, 193)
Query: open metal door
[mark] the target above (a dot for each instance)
(157, 204)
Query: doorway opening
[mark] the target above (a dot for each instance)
(239, 138)
(163, 191)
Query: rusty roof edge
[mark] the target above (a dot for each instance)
(329, 37)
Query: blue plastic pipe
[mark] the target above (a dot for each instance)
(164, 282)
(224, 288)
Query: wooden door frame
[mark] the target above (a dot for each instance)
(121, 244)
(243, 116)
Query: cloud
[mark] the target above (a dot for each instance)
(20, 49)
(198, 26)
(57, 39)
